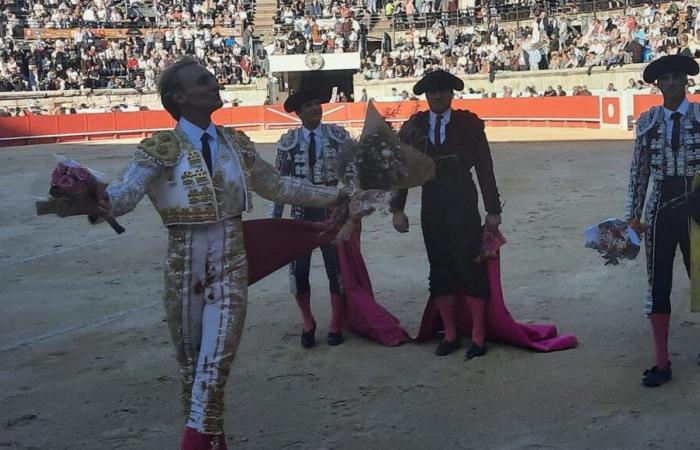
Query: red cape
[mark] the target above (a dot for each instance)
(273, 243)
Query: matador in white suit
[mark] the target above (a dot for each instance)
(199, 177)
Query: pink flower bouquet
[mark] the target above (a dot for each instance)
(75, 190)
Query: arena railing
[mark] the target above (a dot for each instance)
(569, 112)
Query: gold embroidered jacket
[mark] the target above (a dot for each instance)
(172, 172)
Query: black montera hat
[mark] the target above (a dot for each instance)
(437, 81)
(296, 100)
(670, 64)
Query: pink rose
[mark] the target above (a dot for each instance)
(71, 179)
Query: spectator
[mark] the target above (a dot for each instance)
(584, 91)
(549, 92)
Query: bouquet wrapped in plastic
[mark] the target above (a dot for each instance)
(378, 163)
(75, 190)
(614, 239)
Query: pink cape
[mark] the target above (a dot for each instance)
(273, 243)
(500, 325)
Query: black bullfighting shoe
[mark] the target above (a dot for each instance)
(656, 377)
(475, 351)
(308, 338)
(445, 347)
(335, 338)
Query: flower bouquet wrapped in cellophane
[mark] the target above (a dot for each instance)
(378, 163)
(75, 190)
(614, 239)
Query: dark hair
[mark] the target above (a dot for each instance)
(169, 82)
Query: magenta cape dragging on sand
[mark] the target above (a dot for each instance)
(500, 325)
(272, 243)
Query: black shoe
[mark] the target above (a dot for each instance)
(308, 338)
(335, 338)
(656, 377)
(445, 348)
(475, 351)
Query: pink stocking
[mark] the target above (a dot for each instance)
(477, 306)
(659, 325)
(304, 302)
(336, 309)
(446, 306)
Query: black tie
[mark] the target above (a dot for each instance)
(438, 130)
(206, 151)
(676, 133)
(312, 150)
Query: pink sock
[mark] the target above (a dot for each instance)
(477, 306)
(304, 302)
(336, 308)
(659, 325)
(446, 306)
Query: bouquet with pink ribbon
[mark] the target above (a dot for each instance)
(76, 190)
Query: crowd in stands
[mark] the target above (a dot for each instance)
(480, 46)
(545, 42)
(334, 27)
(123, 14)
(136, 57)
(85, 61)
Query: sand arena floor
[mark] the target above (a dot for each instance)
(86, 362)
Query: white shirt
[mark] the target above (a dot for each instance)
(319, 134)
(683, 109)
(445, 120)
(195, 134)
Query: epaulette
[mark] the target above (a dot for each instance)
(242, 141)
(337, 133)
(647, 120)
(288, 140)
(164, 148)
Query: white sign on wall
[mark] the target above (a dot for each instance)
(314, 61)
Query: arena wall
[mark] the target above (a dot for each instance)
(252, 94)
(572, 112)
(518, 81)
(618, 110)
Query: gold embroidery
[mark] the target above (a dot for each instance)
(194, 158)
(191, 215)
(203, 195)
(187, 178)
(163, 147)
(241, 144)
(197, 176)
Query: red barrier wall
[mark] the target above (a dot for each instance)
(572, 112)
(642, 103)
